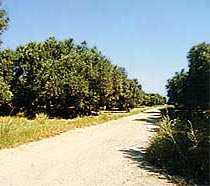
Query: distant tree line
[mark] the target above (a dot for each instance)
(64, 79)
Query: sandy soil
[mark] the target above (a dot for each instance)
(109, 154)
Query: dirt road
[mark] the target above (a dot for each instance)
(109, 154)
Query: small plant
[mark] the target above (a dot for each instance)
(41, 118)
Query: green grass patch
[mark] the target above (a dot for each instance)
(15, 131)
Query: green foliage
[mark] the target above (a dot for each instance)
(5, 63)
(176, 87)
(52, 76)
(63, 79)
(191, 89)
(162, 146)
(5, 93)
(199, 59)
(199, 76)
(3, 20)
(153, 99)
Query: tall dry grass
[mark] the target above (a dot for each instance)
(18, 130)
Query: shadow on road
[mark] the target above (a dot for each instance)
(152, 112)
(138, 157)
(153, 118)
(148, 120)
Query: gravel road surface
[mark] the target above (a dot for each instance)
(109, 154)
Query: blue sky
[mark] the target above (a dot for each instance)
(150, 38)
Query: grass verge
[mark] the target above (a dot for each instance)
(15, 131)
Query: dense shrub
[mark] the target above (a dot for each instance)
(183, 148)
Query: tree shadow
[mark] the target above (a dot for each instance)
(149, 120)
(152, 112)
(137, 156)
(153, 117)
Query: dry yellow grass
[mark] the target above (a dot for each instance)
(15, 131)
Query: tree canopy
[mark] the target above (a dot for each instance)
(191, 89)
(66, 79)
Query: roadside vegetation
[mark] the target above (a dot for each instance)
(182, 144)
(17, 130)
